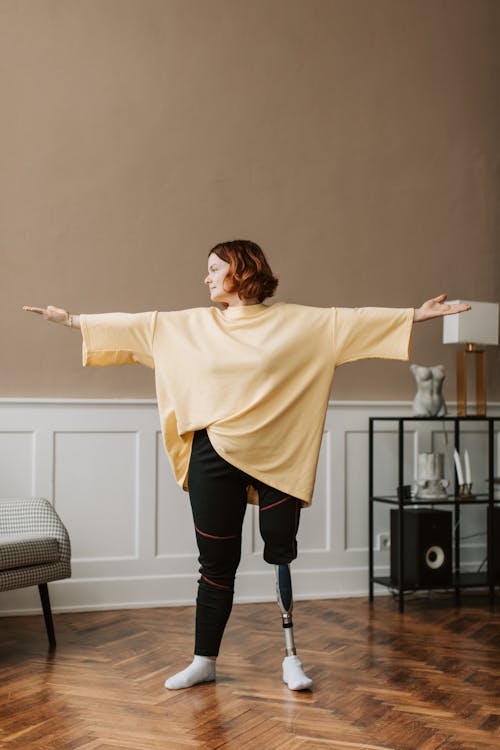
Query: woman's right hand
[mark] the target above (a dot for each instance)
(54, 314)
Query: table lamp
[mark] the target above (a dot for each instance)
(476, 327)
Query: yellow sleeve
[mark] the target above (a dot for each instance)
(371, 332)
(118, 339)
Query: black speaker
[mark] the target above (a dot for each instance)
(495, 563)
(426, 548)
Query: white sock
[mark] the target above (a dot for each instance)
(201, 669)
(293, 674)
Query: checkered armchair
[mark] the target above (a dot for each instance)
(34, 549)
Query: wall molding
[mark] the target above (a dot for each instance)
(101, 463)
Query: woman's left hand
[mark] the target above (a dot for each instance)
(436, 308)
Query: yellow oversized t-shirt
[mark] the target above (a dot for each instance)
(257, 377)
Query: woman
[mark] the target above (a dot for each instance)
(242, 394)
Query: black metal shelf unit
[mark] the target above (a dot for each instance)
(460, 580)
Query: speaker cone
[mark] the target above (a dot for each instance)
(435, 557)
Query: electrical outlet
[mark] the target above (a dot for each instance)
(384, 540)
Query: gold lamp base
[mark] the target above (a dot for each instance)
(462, 360)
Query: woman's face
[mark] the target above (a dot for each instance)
(217, 272)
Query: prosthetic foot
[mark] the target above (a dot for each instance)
(293, 672)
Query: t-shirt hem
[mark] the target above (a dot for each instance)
(255, 474)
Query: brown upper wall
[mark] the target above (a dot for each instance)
(356, 140)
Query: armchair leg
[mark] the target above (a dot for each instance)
(47, 613)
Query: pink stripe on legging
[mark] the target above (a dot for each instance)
(211, 536)
(273, 505)
(217, 585)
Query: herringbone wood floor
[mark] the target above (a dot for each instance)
(425, 680)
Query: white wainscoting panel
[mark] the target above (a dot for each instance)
(96, 491)
(17, 461)
(175, 536)
(103, 466)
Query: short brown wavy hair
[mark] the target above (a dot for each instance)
(249, 272)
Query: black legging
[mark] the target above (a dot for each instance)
(217, 491)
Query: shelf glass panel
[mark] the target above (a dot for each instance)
(452, 500)
(462, 580)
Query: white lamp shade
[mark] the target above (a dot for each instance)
(479, 325)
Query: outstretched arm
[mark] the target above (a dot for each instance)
(108, 338)
(436, 308)
(55, 315)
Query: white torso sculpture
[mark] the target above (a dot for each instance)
(429, 401)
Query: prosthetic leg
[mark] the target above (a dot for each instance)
(285, 603)
(293, 672)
